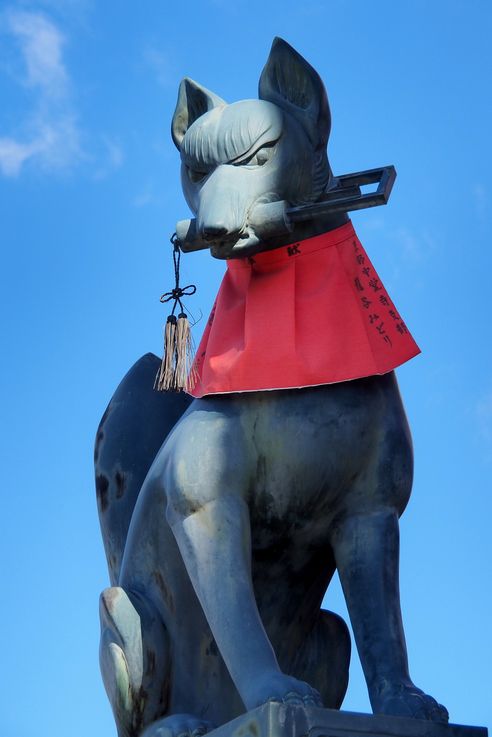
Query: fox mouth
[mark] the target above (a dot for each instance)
(236, 246)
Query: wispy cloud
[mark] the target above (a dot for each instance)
(146, 196)
(73, 12)
(406, 249)
(160, 64)
(54, 144)
(41, 45)
(48, 134)
(416, 247)
(112, 158)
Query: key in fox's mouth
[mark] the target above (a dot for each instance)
(239, 246)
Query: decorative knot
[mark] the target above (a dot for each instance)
(178, 292)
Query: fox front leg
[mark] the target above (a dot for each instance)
(206, 487)
(367, 556)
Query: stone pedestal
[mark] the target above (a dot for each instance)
(281, 720)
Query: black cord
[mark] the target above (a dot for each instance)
(178, 291)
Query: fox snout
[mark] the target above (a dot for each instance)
(211, 233)
(222, 205)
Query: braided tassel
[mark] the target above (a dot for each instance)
(185, 373)
(176, 372)
(164, 381)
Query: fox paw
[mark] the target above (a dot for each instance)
(284, 689)
(179, 725)
(402, 700)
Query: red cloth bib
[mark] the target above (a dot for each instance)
(311, 313)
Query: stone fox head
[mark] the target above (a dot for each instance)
(236, 157)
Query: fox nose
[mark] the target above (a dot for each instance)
(211, 232)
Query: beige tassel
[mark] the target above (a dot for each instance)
(185, 372)
(165, 375)
(176, 372)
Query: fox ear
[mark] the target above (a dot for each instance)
(193, 101)
(291, 83)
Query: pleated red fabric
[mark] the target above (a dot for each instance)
(311, 313)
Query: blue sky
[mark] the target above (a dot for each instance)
(89, 194)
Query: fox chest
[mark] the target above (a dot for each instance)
(297, 457)
(307, 455)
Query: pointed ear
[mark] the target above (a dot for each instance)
(193, 101)
(291, 83)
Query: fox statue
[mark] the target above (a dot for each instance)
(226, 511)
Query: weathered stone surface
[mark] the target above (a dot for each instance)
(283, 720)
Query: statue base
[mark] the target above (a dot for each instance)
(282, 720)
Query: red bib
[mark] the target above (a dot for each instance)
(311, 313)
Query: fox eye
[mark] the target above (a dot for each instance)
(196, 176)
(261, 157)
